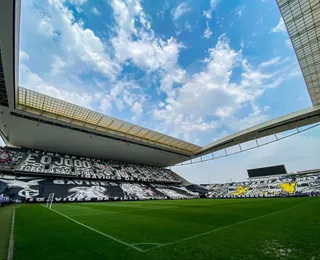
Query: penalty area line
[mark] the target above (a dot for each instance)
(99, 232)
(137, 244)
(226, 227)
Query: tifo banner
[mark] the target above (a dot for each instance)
(295, 186)
(58, 165)
(31, 189)
(9, 158)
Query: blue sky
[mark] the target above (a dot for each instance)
(196, 70)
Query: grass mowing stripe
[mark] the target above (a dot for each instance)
(119, 212)
(99, 232)
(228, 226)
(11, 241)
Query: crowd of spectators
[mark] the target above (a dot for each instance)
(6, 200)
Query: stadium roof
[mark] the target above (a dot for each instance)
(302, 19)
(291, 121)
(40, 104)
(33, 120)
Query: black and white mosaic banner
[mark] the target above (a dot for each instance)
(9, 158)
(275, 187)
(32, 189)
(40, 163)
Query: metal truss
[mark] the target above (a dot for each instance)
(302, 18)
(241, 150)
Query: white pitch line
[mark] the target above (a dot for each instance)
(11, 241)
(99, 232)
(157, 244)
(225, 227)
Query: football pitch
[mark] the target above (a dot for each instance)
(287, 228)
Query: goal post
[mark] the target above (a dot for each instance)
(50, 200)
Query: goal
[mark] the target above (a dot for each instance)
(50, 200)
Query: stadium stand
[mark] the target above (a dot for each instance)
(290, 185)
(50, 164)
(30, 176)
(31, 189)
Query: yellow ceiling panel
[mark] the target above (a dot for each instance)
(51, 107)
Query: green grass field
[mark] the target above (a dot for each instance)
(187, 229)
(5, 228)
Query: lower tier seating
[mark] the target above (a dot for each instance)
(273, 187)
(31, 189)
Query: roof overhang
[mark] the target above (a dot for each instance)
(302, 19)
(288, 122)
(37, 132)
(64, 112)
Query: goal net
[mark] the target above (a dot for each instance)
(50, 200)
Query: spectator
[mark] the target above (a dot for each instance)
(2, 200)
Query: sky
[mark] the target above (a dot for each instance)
(197, 70)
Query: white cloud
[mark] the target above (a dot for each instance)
(176, 75)
(253, 77)
(77, 2)
(266, 108)
(106, 103)
(137, 109)
(95, 11)
(224, 111)
(207, 33)
(180, 10)
(77, 44)
(213, 6)
(280, 27)
(75, 50)
(142, 48)
(57, 64)
(46, 27)
(270, 62)
(239, 10)
(188, 26)
(33, 81)
(146, 52)
(125, 95)
(208, 89)
(23, 56)
(217, 98)
(288, 43)
(78, 9)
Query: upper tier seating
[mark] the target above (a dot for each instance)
(49, 164)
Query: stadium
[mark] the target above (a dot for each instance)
(79, 184)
